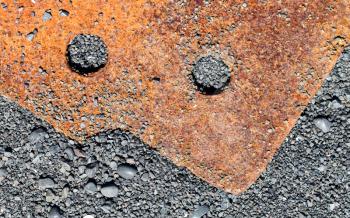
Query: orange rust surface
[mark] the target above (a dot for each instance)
(279, 53)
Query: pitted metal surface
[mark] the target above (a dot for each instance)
(278, 53)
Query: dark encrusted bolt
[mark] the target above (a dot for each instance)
(211, 75)
(87, 53)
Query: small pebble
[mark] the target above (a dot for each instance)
(55, 212)
(37, 135)
(3, 172)
(336, 105)
(90, 187)
(30, 36)
(65, 192)
(113, 165)
(322, 168)
(69, 153)
(45, 183)
(78, 152)
(323, 124)
(50, 196)
(127, 171)
(47, 15)
(4, 6)
(109, 190)
(63, 13)
(91, 171)
(145, 177)
(200, 211)
(106, 208)
(333, 206)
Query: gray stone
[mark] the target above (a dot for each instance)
(113, 165)
(90, 187)
(47, 15)
(91, 171)
(200, 211)
(55, 212)
(30, 36)
(109, 190)
(323, 124)
(127, 171)
(45, 183)
(37, 135)
(63, 13)
(3, 172)
(69, 153)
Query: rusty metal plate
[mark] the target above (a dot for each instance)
(278, 52)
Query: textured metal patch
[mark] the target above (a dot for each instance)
(278, 52)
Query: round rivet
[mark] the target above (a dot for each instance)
(211, 75)
(87, 53)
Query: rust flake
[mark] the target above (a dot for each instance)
(279, 54)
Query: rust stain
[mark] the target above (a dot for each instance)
(279, 53)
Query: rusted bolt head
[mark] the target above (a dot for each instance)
(211, 75)
(87, 53)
